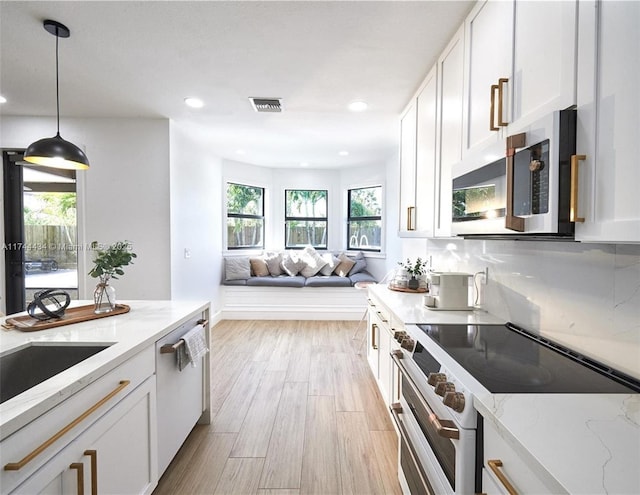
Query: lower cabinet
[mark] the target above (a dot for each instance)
(116, 454)
(505, 471)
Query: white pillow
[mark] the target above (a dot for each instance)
(237, 268)
(292, 265)
(332, 261)
(273, 261)
(313, 262)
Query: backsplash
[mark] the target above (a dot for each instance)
(585, 296)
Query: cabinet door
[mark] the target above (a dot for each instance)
(384, 371)
(544, 67)
(450, 76)
(608, 121)
(373, 343)
(489, 42)
(426, 156)
(408, 169)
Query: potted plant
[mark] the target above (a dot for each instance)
(415, 270)
(107, 264)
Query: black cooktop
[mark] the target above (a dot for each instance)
(508, 359)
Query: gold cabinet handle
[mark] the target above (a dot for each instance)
(492, 110)
(373, 336)
(93, 454)
(573, 205)
(15, 466)
(410, 210)
(79, 467)
(495, 465)
(501, 82)
(382, 316)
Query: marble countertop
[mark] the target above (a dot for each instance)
(409, 308)
(575, 443)
(129, 333)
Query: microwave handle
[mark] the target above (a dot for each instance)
(513, 222)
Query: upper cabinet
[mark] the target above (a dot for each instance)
(408, 129)
(515, 74)
(608, 209)
(449, 128)
(488, 59)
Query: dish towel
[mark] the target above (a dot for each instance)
(195, 346)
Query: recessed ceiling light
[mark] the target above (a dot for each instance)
(343, 153)
(193, 102)
(357, 106)
(2, 99)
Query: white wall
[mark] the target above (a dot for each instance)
(124, 195)
(196, 218)
(586, 296)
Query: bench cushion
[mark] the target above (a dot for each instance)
(281, 281)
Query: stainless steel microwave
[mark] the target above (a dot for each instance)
(527, 192)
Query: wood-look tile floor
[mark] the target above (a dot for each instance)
(295, 411)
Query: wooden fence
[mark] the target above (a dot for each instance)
(57, 242)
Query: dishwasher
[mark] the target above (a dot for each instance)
(181, 397)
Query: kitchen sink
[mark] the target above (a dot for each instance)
(27, 367)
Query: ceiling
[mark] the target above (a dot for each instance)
(142, 58)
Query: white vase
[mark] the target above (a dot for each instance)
(104, 298)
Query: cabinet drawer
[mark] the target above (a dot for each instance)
(111, 387)
(504, 466)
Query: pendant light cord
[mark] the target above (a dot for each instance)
(57, 86)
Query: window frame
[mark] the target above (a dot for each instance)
(244, 216)
(364, 219)
(324, 219)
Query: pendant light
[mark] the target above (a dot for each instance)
(54, 151)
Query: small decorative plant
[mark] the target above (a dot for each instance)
(108, 264)
(415, 269)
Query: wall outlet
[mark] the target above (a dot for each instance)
(187, 253)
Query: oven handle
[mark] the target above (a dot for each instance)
(396, 410)
(444, 427)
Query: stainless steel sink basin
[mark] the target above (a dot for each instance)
(27, 367)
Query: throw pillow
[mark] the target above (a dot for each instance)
(332, 261)
(346, 264)
(273, 261)
(292, 265)
(237, 268)
(360, 265)
(313, 262)
(259, 267)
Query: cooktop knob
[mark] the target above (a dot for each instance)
(454, 400)
(444, 387)
(407, 343)
(399, 335)
(434, 378)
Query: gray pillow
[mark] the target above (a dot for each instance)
(292, 265)
(360, 265)
(313, 262)
(273, 261)
(237, 268)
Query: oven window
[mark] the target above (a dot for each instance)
(442, 447)
(411, 474)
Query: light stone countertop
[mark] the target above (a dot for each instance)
(577, 443)
(143, 325)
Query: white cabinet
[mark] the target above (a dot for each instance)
(408, 142)
(608, 122)
(505, 472)
(514, 74)
(373, 341)
(449, 127)
(113, 417)
(115, 455)
(489, 52)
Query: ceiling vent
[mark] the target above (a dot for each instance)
(266, 104)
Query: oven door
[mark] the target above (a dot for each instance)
(436, 448)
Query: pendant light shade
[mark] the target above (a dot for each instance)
(54, 151)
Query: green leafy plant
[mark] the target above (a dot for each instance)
(108, 262)
(414, 269)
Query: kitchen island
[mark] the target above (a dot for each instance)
(107, 392)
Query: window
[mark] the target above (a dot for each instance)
(305, 218)
(245, 216)
(364, 224)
